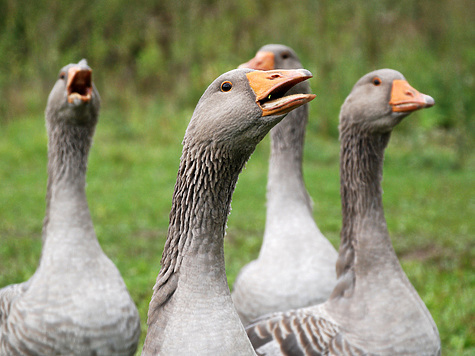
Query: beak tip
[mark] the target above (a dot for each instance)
(429, 101)
(306, 73)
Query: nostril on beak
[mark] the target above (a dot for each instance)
(275, 76)
(410, 93)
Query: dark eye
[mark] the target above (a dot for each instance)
(376, 81)
(62, 75)
(285, 55)
(226, 86)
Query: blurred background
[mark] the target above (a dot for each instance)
(152, 60)
(171, 50)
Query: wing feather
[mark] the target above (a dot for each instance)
(302, 332)
(8, 295)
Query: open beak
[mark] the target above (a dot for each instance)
(405, 98)
(270, 88)
(262, 61)
(79, 84)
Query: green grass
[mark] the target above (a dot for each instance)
(428, 198)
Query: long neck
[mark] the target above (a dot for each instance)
(285, 179)
(201, 203)
(67, 214)
(287, 197)
(285, 186)
(365, 241)
(373, 298)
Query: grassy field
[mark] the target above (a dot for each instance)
(428, 199)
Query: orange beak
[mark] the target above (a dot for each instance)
(79, 84)
(262, 61)
(270, 88)
(405, 98)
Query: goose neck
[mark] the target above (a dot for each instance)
(200, 207)
(66, 204)
(365, 241)
(287, 137)
(285, 177)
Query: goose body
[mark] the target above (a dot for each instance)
(296, 264)
(76, 303)
(374, 309)
(191, 311)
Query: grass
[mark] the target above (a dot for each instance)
(428, 200)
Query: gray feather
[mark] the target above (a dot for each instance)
(374, 309)
(191, 311)
(76, 303)
(296, 264)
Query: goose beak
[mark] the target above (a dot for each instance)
(405, 98)
(79, 84)
(262, 61)
(270, 88)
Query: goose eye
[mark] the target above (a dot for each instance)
(226, 86)
(62, 75)
(376, 81)
(285, 55)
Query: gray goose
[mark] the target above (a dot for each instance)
(374, 309)
(76, 303)
(191, 311)
(296, 263)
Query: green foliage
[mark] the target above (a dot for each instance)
(173, 49)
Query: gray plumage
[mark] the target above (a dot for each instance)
(296, 263)
(191, 311)
(76, 303)
(374, 309)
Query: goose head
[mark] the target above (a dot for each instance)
(242, 105)
(380, 100)
(277, 56)
(74, 98)
(273, 56)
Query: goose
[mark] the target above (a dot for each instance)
(76, 302)
(191, 311)
(374, 309)
(296, 263)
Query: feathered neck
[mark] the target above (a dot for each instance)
(206, 180)
(68, 150)
(287, 137)
(364, 237)
(285, 177)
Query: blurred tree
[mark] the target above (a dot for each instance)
(173, 49)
